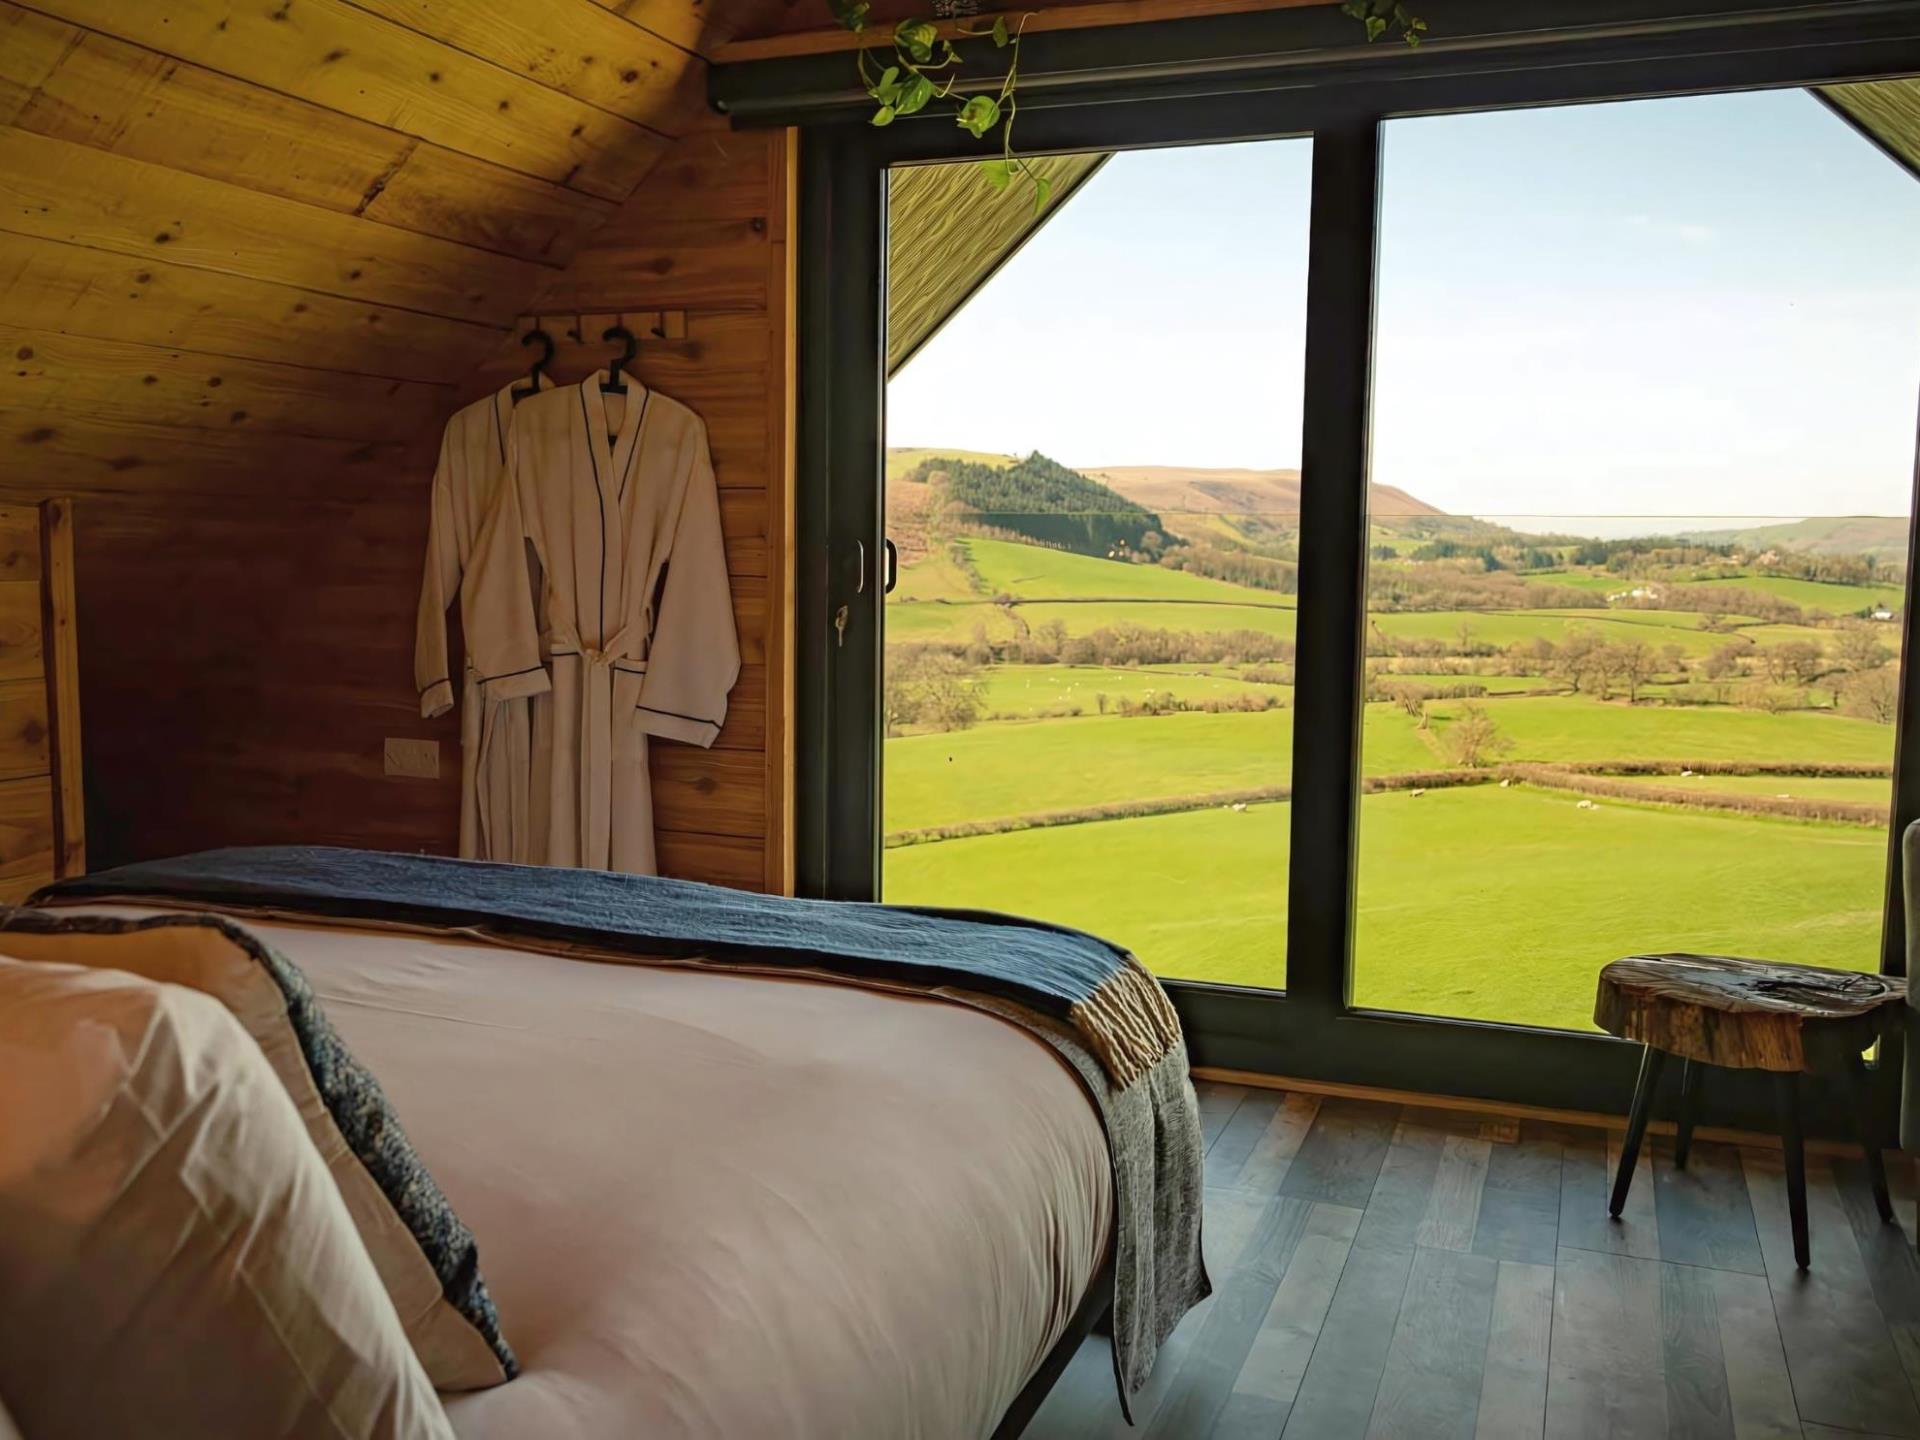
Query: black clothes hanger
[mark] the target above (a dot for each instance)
(614, 384)
(532, 387)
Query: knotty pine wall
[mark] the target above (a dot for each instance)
(249, 456)
(708, 234)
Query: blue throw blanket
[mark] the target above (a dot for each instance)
(1098, 988)
(1091, 1002)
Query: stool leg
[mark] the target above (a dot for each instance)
(1862, 1085)
(1786, 1089)
(1691, 1073)
(1651, 1064)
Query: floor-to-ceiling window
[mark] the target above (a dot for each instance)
(1093, 485)
(1643, 447)
(1581, 619)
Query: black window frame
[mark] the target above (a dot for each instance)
(1229, 78)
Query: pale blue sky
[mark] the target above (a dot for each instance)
(1685, 308)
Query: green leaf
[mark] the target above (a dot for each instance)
(1042, 191)
(1376, 27)
(888, 85)
(999, 173)
(917, 38)
(852, 14)
(1000, 35)
(914, 95)
(979, 115)
(884, 115)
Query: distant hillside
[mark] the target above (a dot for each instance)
(1878, 535)
(1038, 498)
(1178, 492)
(902, 460)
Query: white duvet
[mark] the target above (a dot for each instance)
(720, 1205)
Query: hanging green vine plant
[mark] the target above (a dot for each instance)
(923, 68)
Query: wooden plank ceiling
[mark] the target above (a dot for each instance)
(373, 189)
(229, 220)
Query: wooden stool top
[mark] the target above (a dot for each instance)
(1747, 1014)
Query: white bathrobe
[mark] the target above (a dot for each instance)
(630, 633)
(494, 740)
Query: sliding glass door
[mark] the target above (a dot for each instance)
(1380, 575)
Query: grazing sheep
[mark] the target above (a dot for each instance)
(1586, 805)
(1505, 783)
(1239, 807)
(1418, 793)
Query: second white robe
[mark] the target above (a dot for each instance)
(494, 739)
(630, 634)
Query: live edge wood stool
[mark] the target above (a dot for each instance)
(1749, 1015)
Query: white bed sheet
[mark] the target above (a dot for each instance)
(713, 1204)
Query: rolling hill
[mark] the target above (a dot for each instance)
(1882, 535)
(1181, 492)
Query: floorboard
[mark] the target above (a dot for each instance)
(1604, 1372)
(1513, 1384)
(1430, 1385)
(1341, 1156)
(1705, 1216)
(1385, 1271)
(1692, 1356)
(1588, 1162)
(1520, 1202)
(1840, 1352)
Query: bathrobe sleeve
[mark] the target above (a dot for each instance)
(496, 600)
(431, 671)
(695, 655)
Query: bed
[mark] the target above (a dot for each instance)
(732, 1204)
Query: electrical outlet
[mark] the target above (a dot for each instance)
(413, 759)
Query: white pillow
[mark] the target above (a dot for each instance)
(175, 1259)
(424, 1253)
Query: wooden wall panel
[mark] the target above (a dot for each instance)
(258, 254)
(734, 368)
(52, 285)
(73, 193)
(26, 837)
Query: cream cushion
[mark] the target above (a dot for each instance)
(175, 1259)
(426, 1257)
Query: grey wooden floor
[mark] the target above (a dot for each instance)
(1382, 1271)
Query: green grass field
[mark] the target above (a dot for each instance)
(1507, 627)
(1475, 902)
(1554, 727)
(1797, 787)
(933, 577)
(1032, 689)
(1479, 903)
(1816, 594)
(1267, 618)
(1493, 684)
(996, 771)
(1029, 572)
(956, 622)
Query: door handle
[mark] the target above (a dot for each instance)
(892, 567)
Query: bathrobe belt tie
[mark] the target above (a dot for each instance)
(609, 687)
